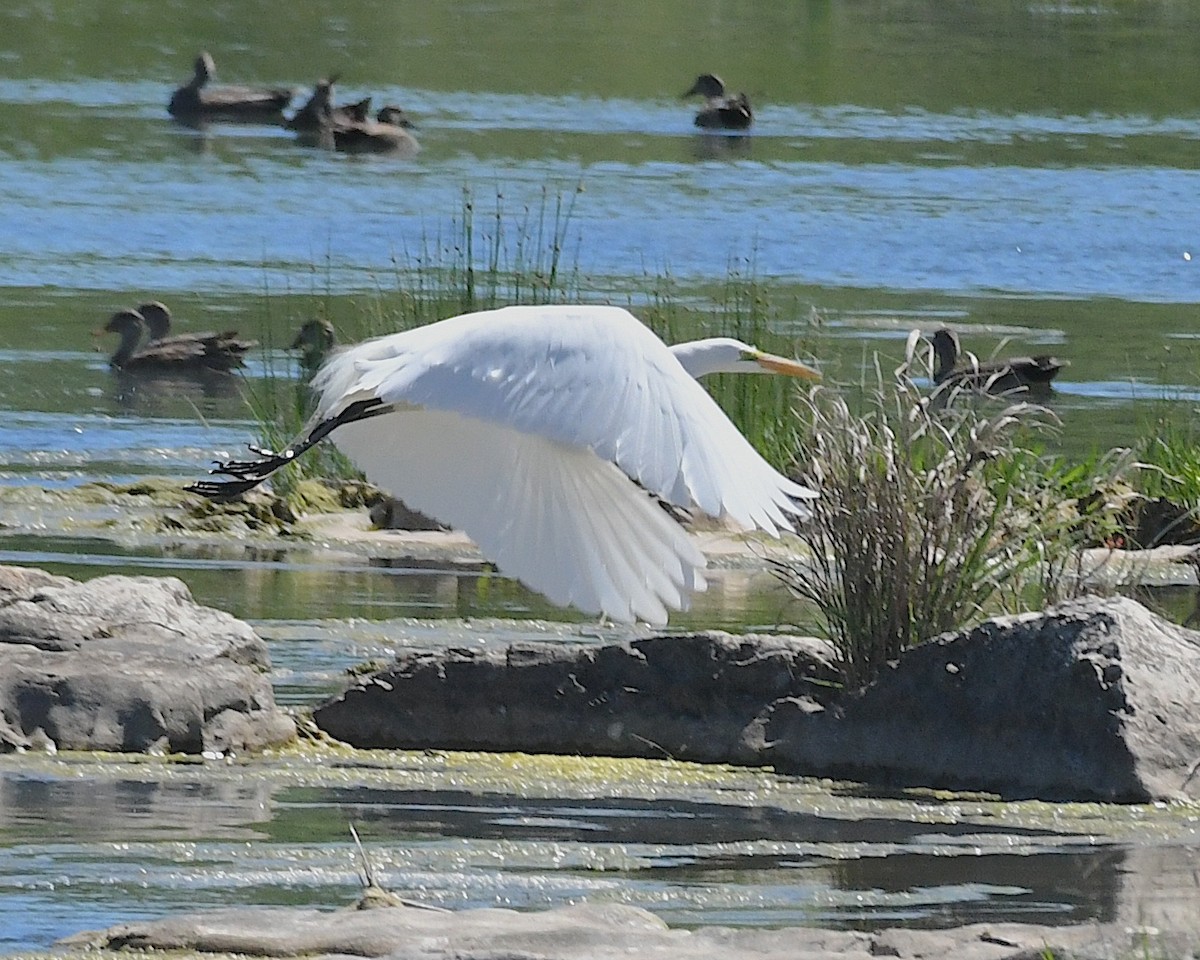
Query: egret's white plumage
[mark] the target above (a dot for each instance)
(525, 427)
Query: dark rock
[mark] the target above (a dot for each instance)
(586, 932)
(1093, 699)
(688, 697)
(129, 664)
(390, 513)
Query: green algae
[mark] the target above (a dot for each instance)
(316, 761)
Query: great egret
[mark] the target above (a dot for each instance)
(196, 101)
(720, 111)
(541, 432)
(990, 376)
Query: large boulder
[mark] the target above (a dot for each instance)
(1092, 699)
(687, 697)
(129, 664)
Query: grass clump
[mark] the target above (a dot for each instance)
(931, 516)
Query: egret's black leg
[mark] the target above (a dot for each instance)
(250, 473)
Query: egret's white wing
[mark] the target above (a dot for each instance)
(559, 518)
(587, 377)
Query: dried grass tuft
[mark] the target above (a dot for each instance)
(932, 515)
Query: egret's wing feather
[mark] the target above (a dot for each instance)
(586, 377)
(561, 519)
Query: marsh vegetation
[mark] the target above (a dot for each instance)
(940, 508)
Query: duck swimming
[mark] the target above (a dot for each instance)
(720, 111)
(196, 101)
(350, 129)
(373, 136)
(319, 109)
(990, 376)
(224, 350)
(136, 353)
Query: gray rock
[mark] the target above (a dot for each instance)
(687, 697)
(586, 932)
(1093, 699)
(129, 664)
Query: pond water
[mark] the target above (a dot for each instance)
(1025, 171)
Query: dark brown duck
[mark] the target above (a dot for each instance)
(198, 100)
(1009, 375)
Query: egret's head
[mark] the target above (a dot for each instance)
(726, 355)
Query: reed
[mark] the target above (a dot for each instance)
(932, 516)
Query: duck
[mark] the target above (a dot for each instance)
(995, 377)
(373, 136)
(197, 101)
(224, 350)
(137, 353)
(315, 340)
(352, 130)
(319, 109)
(721, 111)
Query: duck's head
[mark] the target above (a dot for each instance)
(707, 85)
(316, 336)
(394, 116)
(205, 68)
(358, 112)
(124, 320)
(157, 317)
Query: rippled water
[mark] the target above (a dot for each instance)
(1025, 172)
(87, 845)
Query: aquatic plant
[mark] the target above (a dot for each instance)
(933, 515)
(1168, 458)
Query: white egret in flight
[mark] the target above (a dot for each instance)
(541, 432)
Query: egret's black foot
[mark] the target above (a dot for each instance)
(222, 489)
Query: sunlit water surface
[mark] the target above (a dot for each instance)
(1025, 172)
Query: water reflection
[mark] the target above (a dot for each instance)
(156, 395)
(1022, 169)
(97, 848)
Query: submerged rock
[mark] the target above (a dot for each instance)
(587, 932)
(1094, 699)
(128, 664)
